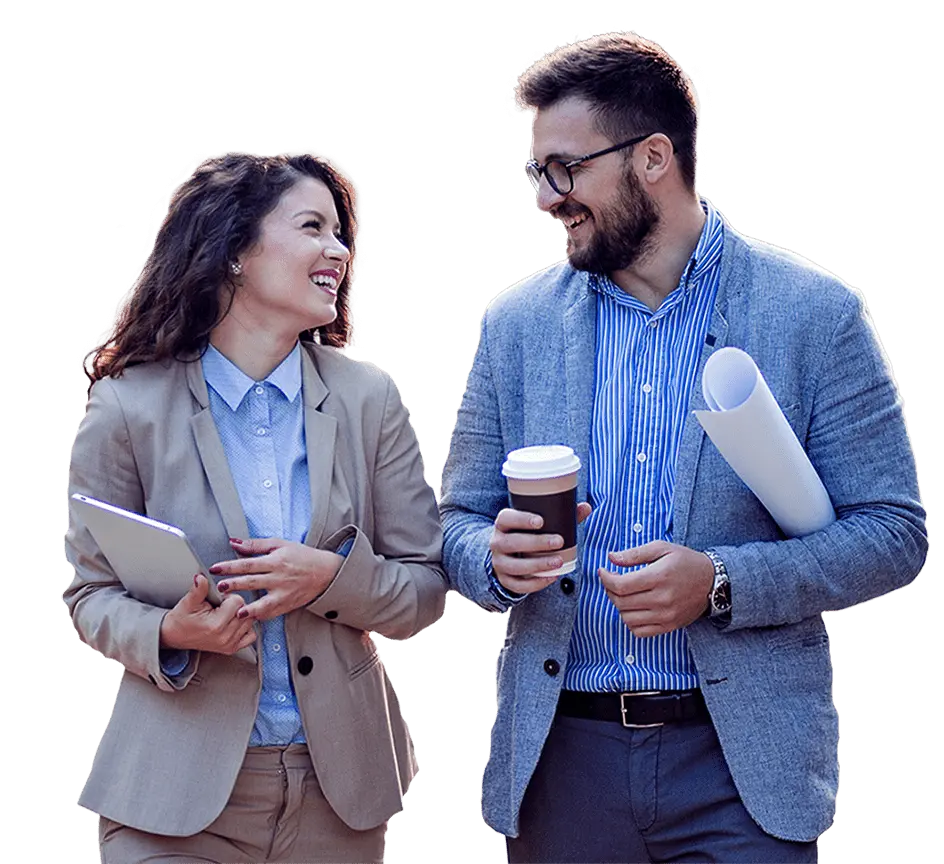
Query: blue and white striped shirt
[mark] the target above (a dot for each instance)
(645, 369)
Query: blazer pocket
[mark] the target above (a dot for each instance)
(798, 636)
(368, 663)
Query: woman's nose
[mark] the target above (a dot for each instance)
(337, 251)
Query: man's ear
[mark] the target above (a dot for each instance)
(654, 156)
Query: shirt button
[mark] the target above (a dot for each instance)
(281, 697)
(653, 324)
(641, 457)
(260, 390)
(267, 484)
(261, 430)
(276, 647)
(646, 388)
(630, 658)
(637, 527)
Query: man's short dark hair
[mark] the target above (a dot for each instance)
(632, 85)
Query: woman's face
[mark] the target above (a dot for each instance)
(290, 277)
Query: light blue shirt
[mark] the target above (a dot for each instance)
(262, 427)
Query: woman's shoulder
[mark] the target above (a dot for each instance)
(142, 384)
(339, 371)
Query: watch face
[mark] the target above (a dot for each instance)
(721, 597)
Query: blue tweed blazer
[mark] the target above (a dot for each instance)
(767, 678)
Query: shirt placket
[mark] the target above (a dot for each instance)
(277, 685)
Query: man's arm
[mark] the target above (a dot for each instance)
(858, 443)
(473, 490)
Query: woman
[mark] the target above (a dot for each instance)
(220, 404)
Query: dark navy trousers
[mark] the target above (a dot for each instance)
(602, 793)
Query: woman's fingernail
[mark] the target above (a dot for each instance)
(223, 586)
(196, 577)
(242, 613)
(215, 568)
(236, 541)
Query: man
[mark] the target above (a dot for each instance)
(671, 699)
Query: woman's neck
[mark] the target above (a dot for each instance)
(254, 350)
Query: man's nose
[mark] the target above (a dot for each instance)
(547, 197)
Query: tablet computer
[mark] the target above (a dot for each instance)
(154, 561)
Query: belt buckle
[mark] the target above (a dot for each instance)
(624, 710)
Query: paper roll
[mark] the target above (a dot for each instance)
(747, 426)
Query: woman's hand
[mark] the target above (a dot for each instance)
(291, 574)
(193, 624)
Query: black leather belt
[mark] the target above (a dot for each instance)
(650, 708)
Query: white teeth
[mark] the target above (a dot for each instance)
(579, 220)
(326, 281)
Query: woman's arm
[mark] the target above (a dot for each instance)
(395, 585)
(103, 613)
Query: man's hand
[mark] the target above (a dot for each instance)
(508, 544)
(668, 594)
(193, 624)
(291, 574)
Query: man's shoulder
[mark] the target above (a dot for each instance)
(548, 291)
(779, 274)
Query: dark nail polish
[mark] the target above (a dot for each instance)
(236, 541)
(223, 586)
(242, 614)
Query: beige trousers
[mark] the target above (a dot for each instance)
(277, 813)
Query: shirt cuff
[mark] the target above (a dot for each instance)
(499, 591)
(173, 661)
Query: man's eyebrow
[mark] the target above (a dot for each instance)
(561, 157)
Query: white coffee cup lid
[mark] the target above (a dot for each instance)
(541, 461)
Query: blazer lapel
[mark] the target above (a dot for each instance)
(213, 456)
(320, 437)
(732, 279)
(692, 433)
(579, 348)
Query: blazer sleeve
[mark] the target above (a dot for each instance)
(394, 585)
(858, 443)
(474, 490)
(103, 613)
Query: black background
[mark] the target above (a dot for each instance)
(819, 141)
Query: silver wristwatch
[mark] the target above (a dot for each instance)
(719, 598)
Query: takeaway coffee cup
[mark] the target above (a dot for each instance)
(543, 480)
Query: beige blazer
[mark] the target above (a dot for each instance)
(169, 757)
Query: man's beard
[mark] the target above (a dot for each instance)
(621, 231)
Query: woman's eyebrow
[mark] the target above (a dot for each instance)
(316, 214)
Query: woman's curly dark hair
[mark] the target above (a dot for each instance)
(213, 218)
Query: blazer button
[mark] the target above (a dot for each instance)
(331, 615)
(568, 585)
(552, 667)
(305, 665)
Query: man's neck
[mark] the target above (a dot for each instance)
(656, 273)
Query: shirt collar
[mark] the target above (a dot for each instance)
(232, 384)
(706, 254)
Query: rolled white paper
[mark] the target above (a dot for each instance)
(749, 429)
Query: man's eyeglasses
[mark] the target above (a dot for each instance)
(558, 173)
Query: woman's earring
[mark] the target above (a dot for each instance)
(236, 268)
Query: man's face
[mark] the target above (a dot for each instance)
(609, 217)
